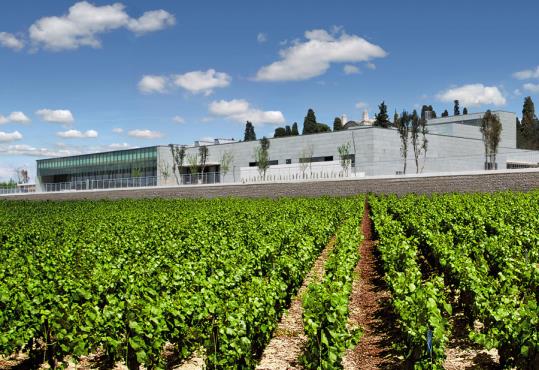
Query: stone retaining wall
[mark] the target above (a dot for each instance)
(469, 183)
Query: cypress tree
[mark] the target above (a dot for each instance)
(465, 111)
(288, 131)
(445, 113)
(456, 109)
(295, 131)
(250, 134)
(337, 124)
(433, 115)
(528, 112)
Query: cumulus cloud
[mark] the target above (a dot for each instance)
(240, 110)
(473, 95)
(371, 65)
(57, 115)
(533, 88)
(118, 130)
(350, 69)
(10, 136)
(145, 134)
(76, 134)
(261, 38)
(151, 21)
(3, 120)
(313, 57)
(527, 74)
(84, 22)
(11, 41)
(152, 84)
(178, 119)
(17, 117)
(202, 81)
(24, 149)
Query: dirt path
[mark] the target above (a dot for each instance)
(369, 309)
(463, 353)
(286, 346)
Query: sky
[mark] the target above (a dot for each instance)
(81, 77)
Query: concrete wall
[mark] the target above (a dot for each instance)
(517, 180)
(377, 151)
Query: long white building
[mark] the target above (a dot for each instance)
(454, 144)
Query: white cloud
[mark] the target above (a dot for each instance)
(24, 149)
(58, 115)
(85, 21)
(154, 20)
(202, 81)
(473, 95)
(10, 136)
(145, 134)
(11, 41)
(533, 88)
(18, 117)
(261, 38)
(3, 120)
(119, 146)
(76, 134)
(527, 73)
(178, 119)
(118, 130)
(350, 69)
(311, 58)
(240, 110)
(152, 84)
(371, 65)
(361, 105)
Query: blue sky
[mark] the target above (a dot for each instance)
(86, 76)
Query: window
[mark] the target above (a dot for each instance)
(316, 159)
(288, 161)
(270, 163)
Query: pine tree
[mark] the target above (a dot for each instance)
(456, 109)
(295, 131)
(465, 111)
(445, 113)
(395, 118)
(337, 124)
(381, 119)
(309, 123)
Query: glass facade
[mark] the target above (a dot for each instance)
(141, 162)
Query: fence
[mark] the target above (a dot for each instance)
(131, 182)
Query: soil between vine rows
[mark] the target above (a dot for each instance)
(369, 308)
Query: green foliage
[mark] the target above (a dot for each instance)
(326, 303)
(280, 132)
(491, 129)
(456, 109)
(128, 276)
(382, 119)
(337, 124)
(309, 123)
(249, 134)
(445, 113)
(528, 129)
(295, 131)
(420, 304)
(487, 251)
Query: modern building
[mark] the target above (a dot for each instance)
(454, 144)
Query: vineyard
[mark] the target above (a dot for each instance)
(154, 282)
